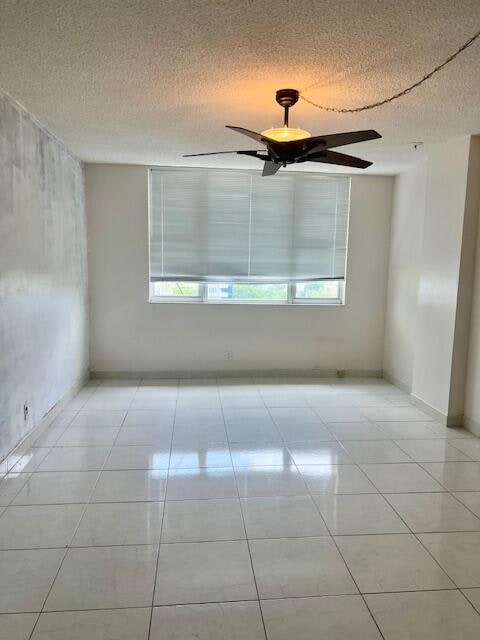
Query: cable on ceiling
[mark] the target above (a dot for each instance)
(400, 94)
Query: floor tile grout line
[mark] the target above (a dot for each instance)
(27, 476)
(286, 445)
(325, 535)
(252, 467)
(277, 428)
(86, 399)
(443, 493)
(68, 547)
(262, 495)
(448, 492)
(161, 525)
(436, 561)
(58, 438)
(463, 452)
(349, 571)
(442, 484)
(47, 429)
(412, 533)
(398, 442)
(49, 591)
(326, 595)
(452, 493)
(467, 599)
(416, 535)
(401, 517)
(246, 541)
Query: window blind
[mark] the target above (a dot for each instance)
(213, 225)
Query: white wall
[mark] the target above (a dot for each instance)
(129, 334)
(472, 386)
(43, 273)
(433, 242)
(439, 311)
(405, 253)
(461, 343)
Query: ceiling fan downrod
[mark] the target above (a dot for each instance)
(286, 98)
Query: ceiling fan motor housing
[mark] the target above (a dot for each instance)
(287, 97)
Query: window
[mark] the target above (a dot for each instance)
(318, 292)
(248, 292)
(176, 289)
(233, 236)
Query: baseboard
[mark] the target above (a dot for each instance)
(471, 425)
(455, 420)
(449, 420)
(11, 459)
(398, 383)
(238, 373)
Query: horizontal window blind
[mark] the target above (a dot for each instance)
(213, 225)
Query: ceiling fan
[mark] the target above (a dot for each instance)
(287, 145)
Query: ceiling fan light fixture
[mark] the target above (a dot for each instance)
(285, 134)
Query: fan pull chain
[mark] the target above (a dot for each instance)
(400, 94)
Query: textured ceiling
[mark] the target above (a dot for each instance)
(144, 81)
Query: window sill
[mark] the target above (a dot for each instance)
(250, 303)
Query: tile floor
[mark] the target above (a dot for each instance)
(242, 509)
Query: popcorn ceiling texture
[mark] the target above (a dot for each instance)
(43, 274)
(146, 81)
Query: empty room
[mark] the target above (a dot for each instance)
(239, 320)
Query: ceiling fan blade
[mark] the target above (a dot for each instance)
(214, 153)
(251, 134)
(255, 154)
(340, 139)
(270, 168)
(332, 157)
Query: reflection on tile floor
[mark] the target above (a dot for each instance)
(264, 508)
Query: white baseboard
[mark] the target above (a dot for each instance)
(471, 425)
(238, 373)
(11, 459)
(398, 383)
(449, 420)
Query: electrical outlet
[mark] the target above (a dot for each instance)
(25, 411)
(228, 355)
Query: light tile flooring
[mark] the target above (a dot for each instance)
(242, 509)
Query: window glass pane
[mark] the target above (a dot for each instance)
(176, 289)
(236, 291)
(326, 290)
(249, 292)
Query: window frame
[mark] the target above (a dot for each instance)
(292, 298)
